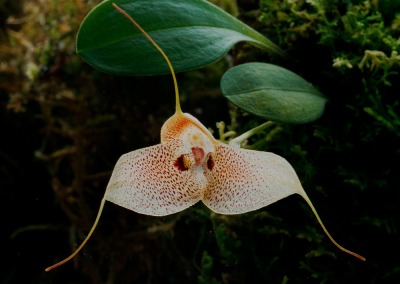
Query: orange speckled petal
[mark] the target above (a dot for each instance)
(147, 181)
(245, 180)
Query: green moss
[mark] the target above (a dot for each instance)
(349, 49)
(207, 264)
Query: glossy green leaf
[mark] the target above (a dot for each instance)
(272, 92)
(193, 33)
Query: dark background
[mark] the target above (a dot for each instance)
(64, 125)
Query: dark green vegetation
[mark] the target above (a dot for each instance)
(64, 125)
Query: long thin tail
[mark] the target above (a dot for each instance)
(304, 195)
(84, 242)
(177, 104)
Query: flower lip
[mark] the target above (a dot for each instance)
(198, 154)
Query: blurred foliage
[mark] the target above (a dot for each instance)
(65, 125)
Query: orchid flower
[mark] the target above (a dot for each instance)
(190, 165)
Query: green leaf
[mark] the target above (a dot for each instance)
(193, 33)
(272, 92)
